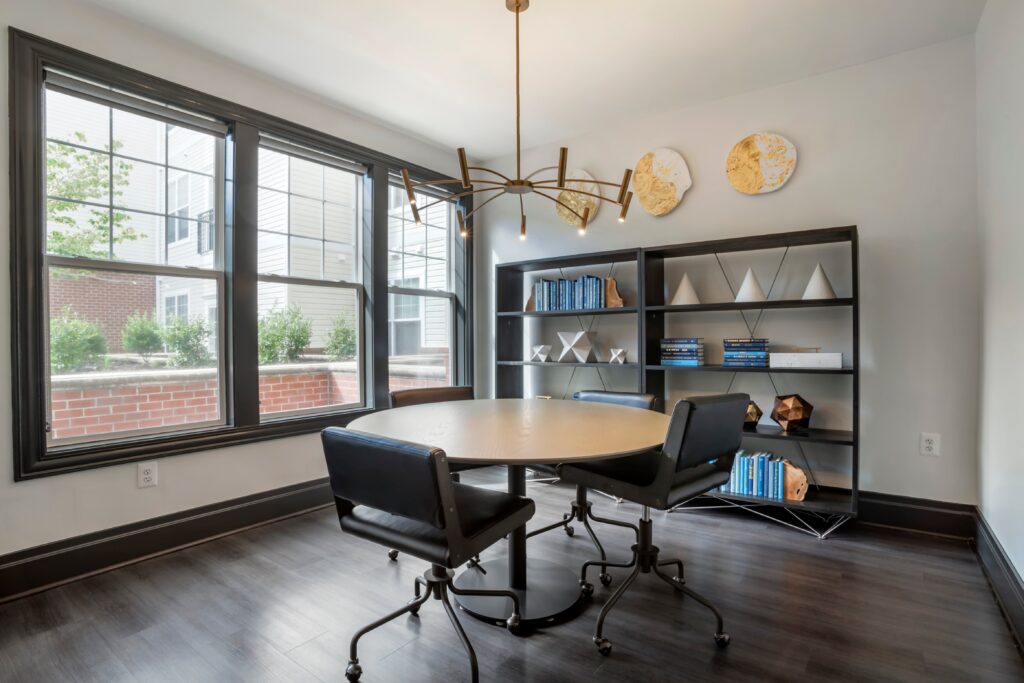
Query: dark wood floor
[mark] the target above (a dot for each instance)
(279, 603)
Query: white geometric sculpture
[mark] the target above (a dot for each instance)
(577, 347)
(750, 290)
(540, 353)
(819, 287)
(685, 294)
(618, 356)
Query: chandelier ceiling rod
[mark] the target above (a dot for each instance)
(519, 185)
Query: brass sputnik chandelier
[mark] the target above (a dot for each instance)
(501, 184)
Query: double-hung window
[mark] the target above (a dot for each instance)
(421, 302)
(310, 296)
(126, 180)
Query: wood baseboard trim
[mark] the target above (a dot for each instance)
(956, 520)
(1002, 577)
(35, 569)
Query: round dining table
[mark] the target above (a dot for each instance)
(518, 433)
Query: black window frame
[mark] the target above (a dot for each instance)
(30, 57)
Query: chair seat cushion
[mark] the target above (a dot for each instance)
(485, 516)
(694, 481)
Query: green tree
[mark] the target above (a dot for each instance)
(283, 335)
(75, 175)
(187, 340)
(342, 339)
(75, 343)
(142, 335)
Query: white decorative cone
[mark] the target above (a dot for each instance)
(750, 290)
(685, 294)
(577, 347)
(819, 287)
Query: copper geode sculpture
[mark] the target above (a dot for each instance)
(792, 412)
(752, 417)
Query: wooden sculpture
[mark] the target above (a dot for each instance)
(795, 482)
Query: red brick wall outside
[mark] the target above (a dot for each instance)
(103, 298)
(87, 405)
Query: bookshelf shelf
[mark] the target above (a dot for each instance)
(651, 313)
(746, 306)
(722, 368)
(555, 364)
(621, 310)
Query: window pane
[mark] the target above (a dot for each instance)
(339, 262)
(305, 257)
(340, 186)
(77, 174)
(191, 150)
(138, 185)
(306, 178)
(340, 223)
(420, 338)
(272, 211)
(305, 217)
(137, 237)
(308, 348)
(273, 253)
(130, 353)
(273, 170)
(74, 229)
(138, 136)
(76, 120)
(437, 243)
(189, 194)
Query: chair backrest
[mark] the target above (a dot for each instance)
(414, 397)
(394, 476)
(706, 428)
(622, 398)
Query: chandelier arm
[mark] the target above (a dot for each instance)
(589, 194)
(461, 194)
(540, 170)
(482, 205)
(560, 203)
(577, 180)
(489, 170)
(449, 181)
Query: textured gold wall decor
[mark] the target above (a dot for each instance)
(572, 204)
(660, 179)
(760, 163)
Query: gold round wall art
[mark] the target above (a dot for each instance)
(660, 179)
(760, 163)
(584, 182)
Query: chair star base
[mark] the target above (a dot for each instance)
(438, 582)
(646, 560)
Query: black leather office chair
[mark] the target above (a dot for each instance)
(580, 509)
(415, 397)
(401, 495)
(703, 436)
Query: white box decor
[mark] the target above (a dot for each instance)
(832, 361)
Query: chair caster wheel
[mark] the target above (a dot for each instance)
(393, 556)
(722, 640)
(606, 579)
(569, 531)
(587, 589)
(512, 624)
(353, 671)
(604, 646)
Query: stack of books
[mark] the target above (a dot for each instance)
(759, 474)
(745, 353)
(580, 294)
(687, 352)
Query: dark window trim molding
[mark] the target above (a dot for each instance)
(30, 55)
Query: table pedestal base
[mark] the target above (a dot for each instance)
(553, 593)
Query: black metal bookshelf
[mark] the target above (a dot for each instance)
(829, 505)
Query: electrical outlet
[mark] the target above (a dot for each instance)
(146, 475)
(930, 445)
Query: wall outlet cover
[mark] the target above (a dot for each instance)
(146, 474)
(930, 444)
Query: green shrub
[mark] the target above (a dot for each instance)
(283, 335)
(142, 335)
(75, 343)
(342, 339)
(187, 340)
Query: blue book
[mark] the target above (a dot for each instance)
(746, 354)
(683, 362)
(760, 474)
(782, 479)
(771, 478)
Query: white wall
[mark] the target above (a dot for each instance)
(888, 146)
(53, 508)
(1000, 63)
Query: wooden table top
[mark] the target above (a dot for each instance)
(515, 431)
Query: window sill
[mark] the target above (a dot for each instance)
(91, 456)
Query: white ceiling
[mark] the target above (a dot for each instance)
(443, 70)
